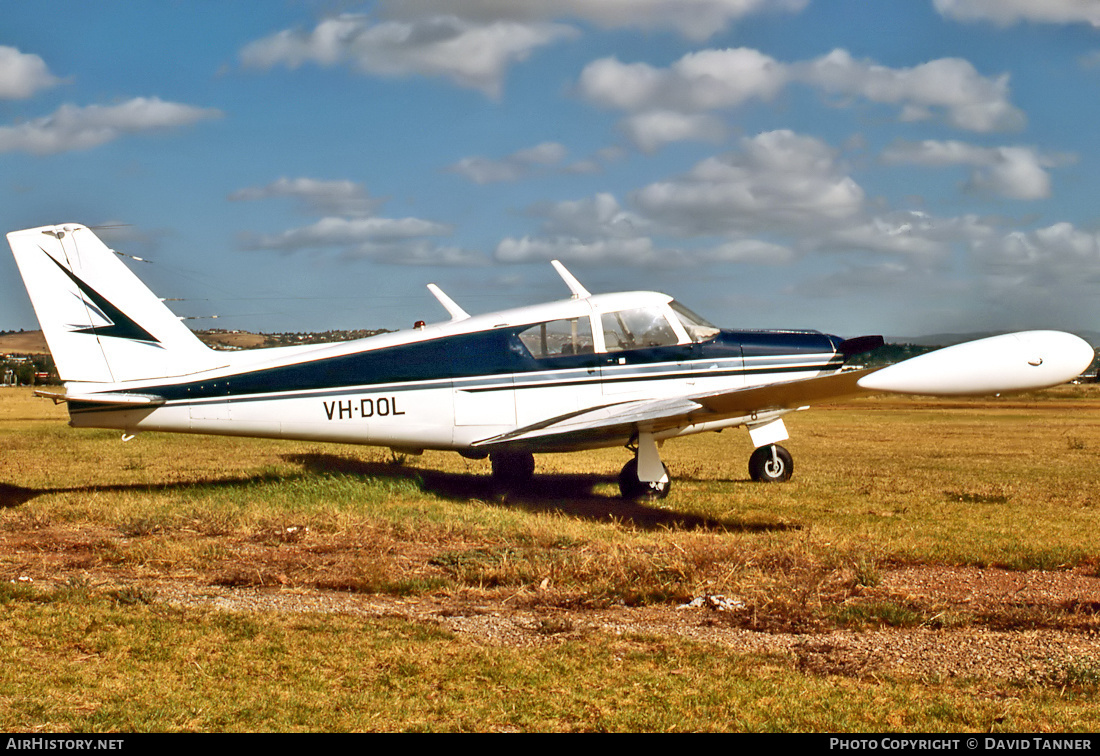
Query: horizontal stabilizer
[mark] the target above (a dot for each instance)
(103, 397)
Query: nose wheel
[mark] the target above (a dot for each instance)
(771, 464)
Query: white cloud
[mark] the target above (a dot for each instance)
(779, 183)
(356, 232)
(699, 81)
(696, 19)
(1057, 253)
(971, 101)
(667, 104)
(654, 129)
(780, 197)
(639, 251)
(414, 252)
(1046, 277)
(1007, 12)
(483, 170)
(778, 180)
(906, 234)
(22, 74)
(1013, 172)
(635, 251)
(594, 229)
(748, 251)
(343, 232)
(345, 198)
(474, 55)
(80, 128)
(396, 241)
(598, 216)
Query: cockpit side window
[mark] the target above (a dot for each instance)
(558, 338)
(637, 329)
(697, 328)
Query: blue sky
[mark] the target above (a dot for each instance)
(856, 167)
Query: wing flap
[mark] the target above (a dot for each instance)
(607, 419)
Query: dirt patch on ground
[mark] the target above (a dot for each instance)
(1028, 656)
(1025, 626)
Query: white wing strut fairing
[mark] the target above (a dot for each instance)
(633, 368)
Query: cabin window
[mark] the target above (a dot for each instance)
(559, 338)
(637, 329)
(697, 328)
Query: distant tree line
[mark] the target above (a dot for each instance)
(888, 354)
(326, 337)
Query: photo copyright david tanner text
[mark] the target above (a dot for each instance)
(972, 743)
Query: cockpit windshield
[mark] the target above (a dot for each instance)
(697, 327)
(641, 328)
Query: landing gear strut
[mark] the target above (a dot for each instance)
(512, 468)
(771, 464)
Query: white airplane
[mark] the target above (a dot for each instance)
(632, 368)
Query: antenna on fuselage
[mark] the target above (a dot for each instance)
(579, 292)
(457, 313)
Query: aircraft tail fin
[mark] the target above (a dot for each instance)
(103, 325)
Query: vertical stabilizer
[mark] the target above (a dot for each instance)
(102, 323)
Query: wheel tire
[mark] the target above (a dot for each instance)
(633, 489)
(765, 469)
(512, 468)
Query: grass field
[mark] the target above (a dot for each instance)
(97, 535)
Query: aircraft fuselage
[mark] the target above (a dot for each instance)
(451, 391)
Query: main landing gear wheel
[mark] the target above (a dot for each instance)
(512, 468)
(771, 464)
(632, 488)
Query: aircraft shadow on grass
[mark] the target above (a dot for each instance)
(13, 496)
(572, 494)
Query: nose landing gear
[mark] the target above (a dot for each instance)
(771, 464)
(645, 476)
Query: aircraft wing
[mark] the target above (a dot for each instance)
(679, 412)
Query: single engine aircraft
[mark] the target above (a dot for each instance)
(631, 368)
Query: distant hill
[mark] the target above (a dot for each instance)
(231, 339)
(23, 342)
